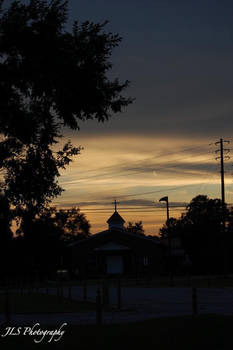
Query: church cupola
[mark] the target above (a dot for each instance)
(116, 221)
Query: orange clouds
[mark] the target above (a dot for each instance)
(138, 167)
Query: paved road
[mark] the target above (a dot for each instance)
(139, 303)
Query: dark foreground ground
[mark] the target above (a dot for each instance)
(206, 332)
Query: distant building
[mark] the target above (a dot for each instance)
(115, 252)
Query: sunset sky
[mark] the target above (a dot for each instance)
(178, 56)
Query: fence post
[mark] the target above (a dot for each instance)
(37, 285)
(85, 290)
(171, 277)
(105, 292)
(32, 286)
(194, 301)
(29, 288)
(69, 292)
(58, 294)
(61, 286)
(119, 295)
(46, 286)
(98, 308)
(21, 286)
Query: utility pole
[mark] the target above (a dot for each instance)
(222, 157)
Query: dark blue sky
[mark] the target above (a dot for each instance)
(178, 56)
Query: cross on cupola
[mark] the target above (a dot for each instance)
(116, 221)
(115, 204)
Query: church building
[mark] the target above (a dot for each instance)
(116, 252)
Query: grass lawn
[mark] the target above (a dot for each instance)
(183, 333)
(36, 303)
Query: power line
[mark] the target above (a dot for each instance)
(158, 191)
(156, 168)
(149, 158)
(133, 211)
(162, 190)
(151, 207)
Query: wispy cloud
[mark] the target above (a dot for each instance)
(137, 171)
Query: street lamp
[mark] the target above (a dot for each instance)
(165, 199)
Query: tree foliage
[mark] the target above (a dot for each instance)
(41, 240)
(73, 224)
(51, 222)
(202, 215)
(201, 232)
(50, 79)
(5, 221)
(136, 228)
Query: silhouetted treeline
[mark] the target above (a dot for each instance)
(37, 250)
(51, 78)
(202, 235)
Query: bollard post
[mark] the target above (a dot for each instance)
(119, 294)
(171, 277)
(61, 286)
(194, 301)
(105, 293)
(46, 288)
(69, 292)
(37, 285)
(21, 287)
(58, 294)
(98, 308)
(85, 290)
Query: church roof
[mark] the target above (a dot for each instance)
(120, 236)
(115, 218)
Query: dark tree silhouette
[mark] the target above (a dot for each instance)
(50, 79)
(5, 220)
(202, 214)
(172, 226)
(43, 238)
(5, 236)
(73, 223)
(200, 231)
(203, 211)
(65, 224)
(136, 228)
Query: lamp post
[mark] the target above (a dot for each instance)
(165, 199)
